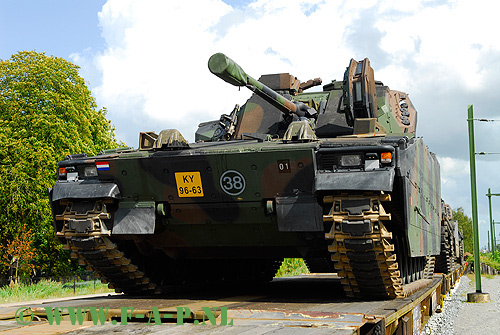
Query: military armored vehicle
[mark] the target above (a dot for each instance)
(335, 176)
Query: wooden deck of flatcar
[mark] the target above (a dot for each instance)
(312, 304)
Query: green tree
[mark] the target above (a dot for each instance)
(465, 226)
(18, 255)
(46, 113)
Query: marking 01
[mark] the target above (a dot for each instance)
(283, 166)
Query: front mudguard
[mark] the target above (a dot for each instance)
(376, 180)
(84, 190)
(129, 218)
(72, 190)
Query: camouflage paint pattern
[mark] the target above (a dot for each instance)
(221, 199)
(226, 69)
(284, 81)
(392, 109)
(422, 182)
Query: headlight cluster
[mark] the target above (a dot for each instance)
(357, 160)
(362, 161)
(67, 173)
(72, 173)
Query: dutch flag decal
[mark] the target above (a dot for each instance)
(102, 166)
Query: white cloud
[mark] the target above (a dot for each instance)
(155, 61)
(452, 167)
(446, 54)
(456, 188)
(450, 37)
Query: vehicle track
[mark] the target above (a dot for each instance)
(364, 253)
(87, 236)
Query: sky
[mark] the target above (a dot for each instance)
(146, 62)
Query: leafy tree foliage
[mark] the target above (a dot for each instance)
(46, 113)
(18, 254)
(465, 226)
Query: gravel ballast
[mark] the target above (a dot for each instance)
(460, 317)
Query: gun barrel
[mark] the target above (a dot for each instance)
(226, 69)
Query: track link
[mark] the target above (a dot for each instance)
(87, 236)
(445, 260)
(430, 263)
(361, 248)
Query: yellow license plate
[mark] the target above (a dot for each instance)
(189, 184)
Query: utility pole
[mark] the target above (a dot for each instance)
(492, 226)
(478, 296)
(489, 249)
(495, 238)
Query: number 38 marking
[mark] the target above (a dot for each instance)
(232, 182)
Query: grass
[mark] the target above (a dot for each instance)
(472, 276)
(49, 289)
(52, 289)
(292, 267)
(488, 260)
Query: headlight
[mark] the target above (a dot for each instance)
(90, 171)
(350, 160)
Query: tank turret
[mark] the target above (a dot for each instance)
(226, 69)
(357, 106)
